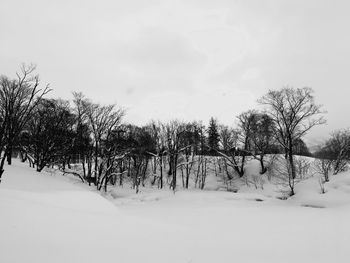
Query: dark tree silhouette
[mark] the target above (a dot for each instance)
(213, 136)
(18, 99)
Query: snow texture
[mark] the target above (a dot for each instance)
(54, 218)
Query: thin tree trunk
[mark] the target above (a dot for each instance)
(161, 172)
(174, 172)
(291, 160)
(9, 151)
(2, 166)
(84, 169)
(263, 168)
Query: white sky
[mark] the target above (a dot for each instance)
(189, 59)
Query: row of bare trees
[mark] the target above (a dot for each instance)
(52, 132)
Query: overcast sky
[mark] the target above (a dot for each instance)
(189, 59)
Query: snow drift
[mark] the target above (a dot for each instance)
(51, 218)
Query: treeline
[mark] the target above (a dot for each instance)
(54, 132)
(334, 154)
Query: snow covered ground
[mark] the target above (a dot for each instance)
(53, 218)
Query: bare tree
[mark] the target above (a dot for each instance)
(228, 138)
(18, 99)
(201, 173)
(339, 150)
(82, 140)
(228, 142)
(323, 167)
(262, 139)
(190, 139)
(48, 137)
(155, 130)
(246, 121)
(336, 151)
(103, 120)
(173, 132)
(294, 113)
(237, 143)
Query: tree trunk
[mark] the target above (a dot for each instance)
(263, 168)
(89, 166)
(290, 158)
(241, 169)
(174, 172)
(84, 169)
(9, 151)
(121, 173)
(182, 177)
(40, 167)
(187, 176)
(161, 172)
(96, 159)
(144, 172)
(204, 173)
(2, 167)
(171, 163)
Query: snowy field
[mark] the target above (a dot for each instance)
(53, 218)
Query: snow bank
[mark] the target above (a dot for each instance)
(48, 218)
(336, 192)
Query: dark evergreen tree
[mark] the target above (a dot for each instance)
(213, 136)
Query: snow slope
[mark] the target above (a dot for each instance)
(51, 218)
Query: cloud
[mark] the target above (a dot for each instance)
(185, 58)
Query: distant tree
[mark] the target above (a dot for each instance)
(336, 151)
(201, 173)
(262, 137)
(48, 137)
(323, 167)
(228, 138)
(200, 140)
(143, 144)
(213, 136)
(294, 113)
(103, 121)
(339, 149)
(127, 143)
(190, 139)
(300, 148)
(254, 137)
(154, 129)
(247, 122)
(82, 143)
(228, 145)
(173, 132)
